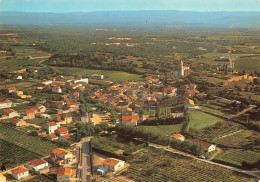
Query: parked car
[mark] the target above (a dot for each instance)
(202, 156)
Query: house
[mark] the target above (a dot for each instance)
(20, 172)
(38, 132)
(6, 104)
(177, 136)
(66, 138)
(2, 178)
(18, 122)
(208, 147)
(51, 127)
(41, 108)
(52, 137)
(63, 174)
(189, 104)
(84, 80)
(62, 156)
(97, 77)
(62, 131)
(64, 118)
(56, 89)
(130, 120)
(29, 114)
(11, 89)
(112, 164)
(11, 113)
(38, 165)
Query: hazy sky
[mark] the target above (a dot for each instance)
(108, 5)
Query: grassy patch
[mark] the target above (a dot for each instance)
(200, 120)
(247, 64)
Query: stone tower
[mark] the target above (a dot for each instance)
(181, 69)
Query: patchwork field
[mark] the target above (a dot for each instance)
(20, 147)
(247, 65)
(157, 165)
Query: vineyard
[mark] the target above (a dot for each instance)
(41, 178)
(241, 138)
(237, 156)
(158, 166)
(19, 147)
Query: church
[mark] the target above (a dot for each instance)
(180, 72)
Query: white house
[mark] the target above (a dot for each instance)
(41, 108)
(63, 174)
(38, 165)
(51, 127)
(85, 80)
(2, 178)
(11, 113)
(130, 120)
(20, 172)
(208, 147)
(6, 104)
(112, 164)
(62, 156)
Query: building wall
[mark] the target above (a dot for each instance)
(6, 105)
(21, 175)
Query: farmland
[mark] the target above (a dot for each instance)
(109, 75)
(163, 129)
(34, 147)
(157, 165)
(237, 156)
(200, 120)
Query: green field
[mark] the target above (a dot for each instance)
(200, 120)
(159, 166)
(22, 146)
(247, 64)
(164, 129)
(109, 75)
(237, 156)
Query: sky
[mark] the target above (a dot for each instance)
(63, 6)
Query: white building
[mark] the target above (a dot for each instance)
(63, 174)
(6, 104)
(38, 165)
(208, 147)
(84, 80)
(51, 127)
(62, 156)
(20, 173)
(112, 164)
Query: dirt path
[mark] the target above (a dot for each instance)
(214, 155)
(230, 134)
(99, 117)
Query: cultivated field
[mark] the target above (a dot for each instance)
(22, 147)
(156, 166)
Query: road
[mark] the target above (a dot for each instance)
(85, 163)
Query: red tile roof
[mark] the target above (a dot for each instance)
(6, 101)
(38, 162)
(130, 118)
(51, 124)
(68, 136)
(20, 170)
(12, 88)
(8, 111)
(205, 144)
(15, 120)
(63, 129)
(52, 136)
(63, 171)
(110, 162)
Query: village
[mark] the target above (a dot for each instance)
(94, 100)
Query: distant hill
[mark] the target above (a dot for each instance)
(138, 19)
